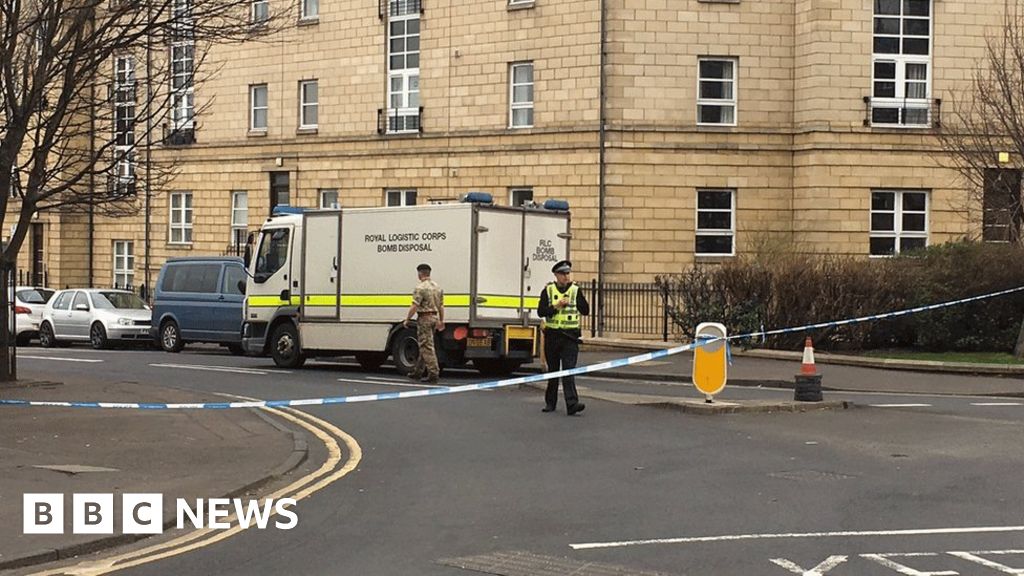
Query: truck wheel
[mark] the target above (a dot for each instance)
(284, 347)
(405, 350)
(371, 360)
(170, 337)
(496, 366)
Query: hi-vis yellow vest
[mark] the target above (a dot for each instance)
(567, 318)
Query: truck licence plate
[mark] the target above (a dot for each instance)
(478, 342)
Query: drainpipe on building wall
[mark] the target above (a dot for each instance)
(92, 182)
(599, 300)
(149, 151)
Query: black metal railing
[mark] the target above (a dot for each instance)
(398, 7)
(179, 136)
(630, 308)
(390, 121)
(902, 113)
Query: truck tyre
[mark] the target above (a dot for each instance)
(496, 366)
(405, 350)
(371, 360)
(170, 337)
(284, 346)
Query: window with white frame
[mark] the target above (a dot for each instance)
(899, 221)
(124, 264)
(403, 66)
(124, 119)
(329, 198)
(239, 218)
(901, 63)
(519, 196)
(182, 84)
(520, 78)
(260, 10)
(181, 218)
(259, 107)
(400, 197)
(310, 9)
(309, 104)
(716, 91)
(716, 223)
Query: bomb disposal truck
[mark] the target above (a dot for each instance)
(339, 282)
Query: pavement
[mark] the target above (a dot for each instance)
(215, 453)
(181, 454)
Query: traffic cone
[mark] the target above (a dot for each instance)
(807, 367)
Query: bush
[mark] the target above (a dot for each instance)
(779, 289)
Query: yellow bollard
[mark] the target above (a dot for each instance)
(710, 364)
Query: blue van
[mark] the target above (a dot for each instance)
(199, 299)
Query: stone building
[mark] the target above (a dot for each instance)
(728, 124)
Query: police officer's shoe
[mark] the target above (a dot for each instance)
(578, 407)
(548, 408)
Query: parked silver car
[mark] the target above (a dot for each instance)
(96, 315)
(29, 303)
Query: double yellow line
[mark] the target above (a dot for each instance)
(334, 468)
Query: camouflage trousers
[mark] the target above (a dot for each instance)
(426, 363)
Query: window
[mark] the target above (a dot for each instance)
(715, 223)
(191, 277)
(404, 67)
(81, 301)
(260, 11)
(232, 276)
(272, 254)
(279, 190)
(239, 218)
(181, 218)
(124, 119)
(519, 196)
(258, 107)
(182, 95)
(400, 197)
(520, 113)
(124, 264)
(899, 221)
(328, 198)
(63, 301)
(308, 104)
(1002, 216)
(901, 83)
(716, 98)
(310, 9)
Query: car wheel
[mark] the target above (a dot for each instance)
(98, 336)
(236, 349)
(371, 360)
(23, 339)
(405, 350)
(46, 337)
(170, 337)
(284, 346)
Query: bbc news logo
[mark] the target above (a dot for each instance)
(144, 513)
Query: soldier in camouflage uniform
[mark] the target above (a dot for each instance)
(428, 306)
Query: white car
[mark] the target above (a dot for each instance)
(29, 303)
(96, 315)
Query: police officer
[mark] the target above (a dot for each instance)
(561, 304)
(428, 306)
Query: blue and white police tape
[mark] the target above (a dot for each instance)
(617, 363)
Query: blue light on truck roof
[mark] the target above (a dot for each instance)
(282, 210)
(559, 205)
(478, 198)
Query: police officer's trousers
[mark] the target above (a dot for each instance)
(561, 351)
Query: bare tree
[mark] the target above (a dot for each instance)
(86, 86)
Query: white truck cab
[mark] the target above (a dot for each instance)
(339, 282)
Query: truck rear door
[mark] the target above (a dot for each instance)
(321, 262)
(497, 290)
(546, 241)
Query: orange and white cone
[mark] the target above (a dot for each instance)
(807, 367)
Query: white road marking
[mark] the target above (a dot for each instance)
(819, 570)
(59, 359)
(977, 559)
(390, 383)
(885, 560)
(997, 404)
(230, 369)
(769, 536)
(899, 405)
